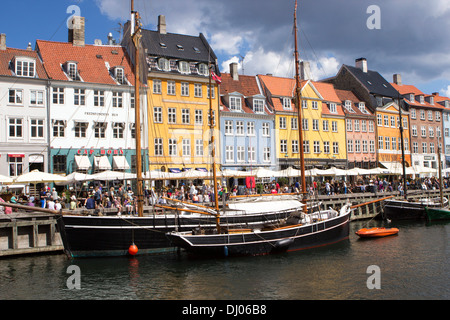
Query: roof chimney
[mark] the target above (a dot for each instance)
(76, 31)
(162, 24)
(234, 71)
(361, 63)
(2, 41)
(305, 70)
(398, 79)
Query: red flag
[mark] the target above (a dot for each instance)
(216, 78)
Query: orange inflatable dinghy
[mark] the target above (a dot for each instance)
(376, 232)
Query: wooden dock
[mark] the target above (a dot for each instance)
(36, 232)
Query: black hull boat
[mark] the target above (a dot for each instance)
(409, 209)
(313, 230)
(93, 236)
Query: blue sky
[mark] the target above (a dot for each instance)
(412, 39)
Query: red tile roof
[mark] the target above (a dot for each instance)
(345, 95)
(7, 55)
(407, 89)
(91, 61)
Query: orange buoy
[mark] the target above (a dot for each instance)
(133, 249)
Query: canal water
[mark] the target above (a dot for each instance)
(415, 264)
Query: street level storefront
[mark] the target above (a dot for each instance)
(92, 160)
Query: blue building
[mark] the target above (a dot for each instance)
(246, 124)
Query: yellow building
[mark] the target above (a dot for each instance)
(178, 100)
(323, 123)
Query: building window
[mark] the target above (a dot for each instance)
(414, 131)
(265, 129)
(251, 154)
(305, 124)
(372, 146)
(356, 125)
(185, 89)
(424, 131)
(185, 116)
(157, 86)
(25, 68)
(59, 128)
(118, 129)
(304, 104)
(371, 126)
(325, 126)
(424, 147)
(213, 92)
(100, 130)
(171, 88)
(15, 166)
(15, 128)
(334, 126)
(240, 128)
(157, 115)
(120, 75)
(36, 98)
(163, 64)
(282, 122)
(240, 153)
(72, 71)
(117, 99)
(349, 124)
(235, 104)
(79, 97)
(202, 69)
(294, 123)
(413, 113)
(99, 98)
(335, 147)
(266, 154)
(229, 154)
(306, 146)
(186, 145)
(315, 105)
(326, 147)
(387, 143)
(380, 143)
(363, 125)
(198, 92)
(173, 147)
(58, 95)
(294, 146)
(333, 108)
(158, 146)
(199, 117)
(386, 121)
(251, 128)
(364, 146)
(258, 106)
(287, 104)
(315, 125)
(172, 115)
(316, 145)
(357, 146)
(422, 114)
(15, 96)
(283, 146)
(379, 120)
(430, 115)
(80, 129)
(199, 147)
(183, 67)
(59, 163)
(228, 127)
(349, 145)
(415, 146)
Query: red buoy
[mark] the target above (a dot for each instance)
(133, 249)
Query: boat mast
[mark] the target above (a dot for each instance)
(213, 151)
(402, 145)
(136, 38)
(298, 97)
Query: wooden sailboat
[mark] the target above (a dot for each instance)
(112, 235)
(298, 232)
(409, 209)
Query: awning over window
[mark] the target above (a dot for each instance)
(102, 163)
(174, 170)
(82, 162)
(120, 163)
(201, 169)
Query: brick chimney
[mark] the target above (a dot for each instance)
(3, 41)
(162, 24)
(76, 31)
(397, 79)
(361, 63)
(305, 70)
(234, 71)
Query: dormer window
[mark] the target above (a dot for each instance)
(72, 70)
(163, 64)
(119, 74)
(362, 107)
(258, 106)
(447, 104)
(183, 67)
(431, 100)
(411, 97)
(287, 104)
(333, 108)
(236, 104)
(203, 69)
(180, 47)
(421, 99)
(348, 105)
(25, 67)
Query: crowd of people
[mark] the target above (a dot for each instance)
(124, 200)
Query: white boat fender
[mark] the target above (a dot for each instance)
(283, 244)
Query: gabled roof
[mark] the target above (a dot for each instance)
(408, 89)
(347, 95)
(278, 86)
(94, 63)
(327, 91)
(6, 56)
(373, 82)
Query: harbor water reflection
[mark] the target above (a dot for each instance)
(413, 265)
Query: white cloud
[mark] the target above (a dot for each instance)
(226, 43)
(446, 92)
(325, 67)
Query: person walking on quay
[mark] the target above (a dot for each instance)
(90, 202)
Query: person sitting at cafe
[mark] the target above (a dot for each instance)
(90, 202)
